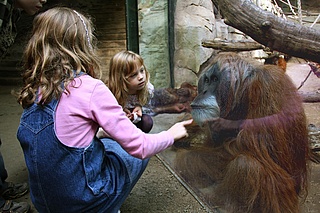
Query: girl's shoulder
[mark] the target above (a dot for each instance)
(86, 83)
(88, 80)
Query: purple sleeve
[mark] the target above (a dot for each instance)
(109, 115)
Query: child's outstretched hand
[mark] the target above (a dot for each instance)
(179, 130)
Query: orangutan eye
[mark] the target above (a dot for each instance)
(206, 80)
(214, 78)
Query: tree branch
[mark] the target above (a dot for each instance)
(310, 97)
(271, 31)
(232, 45)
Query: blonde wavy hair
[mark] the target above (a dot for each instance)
(122, 65)
(62, 44)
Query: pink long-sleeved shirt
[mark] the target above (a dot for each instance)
(91, 104)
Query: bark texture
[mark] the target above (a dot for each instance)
(269, 30)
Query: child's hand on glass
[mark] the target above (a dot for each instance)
(179, 130)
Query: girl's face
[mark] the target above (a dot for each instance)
(31, 7)
(137, 80)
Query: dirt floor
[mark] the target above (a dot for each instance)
(158, 190)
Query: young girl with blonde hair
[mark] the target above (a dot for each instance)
(129, 82)
(71, 170)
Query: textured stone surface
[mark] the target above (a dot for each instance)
(194, 22)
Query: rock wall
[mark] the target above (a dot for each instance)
(153, 30)
(194, 21)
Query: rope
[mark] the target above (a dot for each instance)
(315, 21)
(292, 10)
(299, 11)
(302, 83)
(278, 9)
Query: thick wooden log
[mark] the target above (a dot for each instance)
(232, 45)
(269, 30)
(310, 97)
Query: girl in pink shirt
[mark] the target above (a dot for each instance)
(70, 169)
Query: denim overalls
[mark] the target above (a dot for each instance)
(64, 179)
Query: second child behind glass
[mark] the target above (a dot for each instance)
(129, 82)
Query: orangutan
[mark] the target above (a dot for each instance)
(256, 155)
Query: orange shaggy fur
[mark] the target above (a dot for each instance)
(263, 167)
